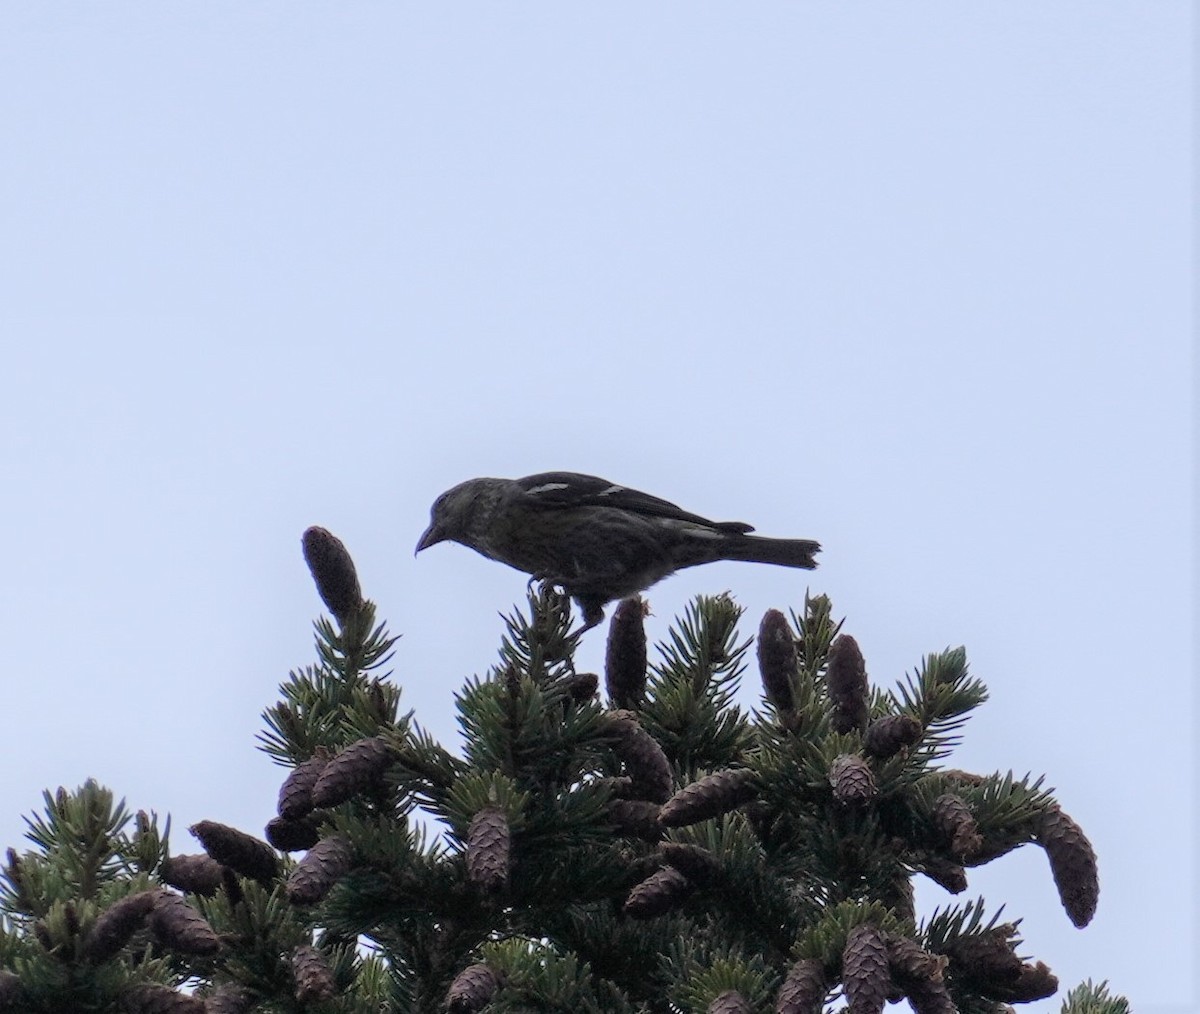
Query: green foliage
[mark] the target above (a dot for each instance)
(819, 839)
(1088, 998)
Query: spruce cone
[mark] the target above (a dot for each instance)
(581, 686)
(625, 655)
(151, 998)
(228, 999)
(619, 786)
(232, 885)
(999, 843)
(333, 572)
(778, 661)
(179, 927)
(636, 817)
(957, 825)
(846, 677)
(312, 975)
(489, 845)
(887, 736)
(42, 932)
(987, 958)
(322, 867)
(911, 963)
(804, 989)
(10, 988)
(865, 974)
(197, 874)
(295, 795)
(729, 1002)
(293, 835)
(921, 976)
(966, 777)
(1036, 982)
(1073, 863)
(472, 989)
(116, 924)
(241, 852)
(697, 864)
(658, 893)
(643, 757)
(359, 767)
(852, 780)
(711, 796)
(947, 875)
(931, 998)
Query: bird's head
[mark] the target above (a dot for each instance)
(454, 515)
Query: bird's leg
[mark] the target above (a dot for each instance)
(592, 612)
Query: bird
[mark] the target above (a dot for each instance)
(596, 540)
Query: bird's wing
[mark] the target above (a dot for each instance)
(557, 490)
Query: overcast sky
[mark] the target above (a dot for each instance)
(910, 279)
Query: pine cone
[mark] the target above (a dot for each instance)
(116, 925)
(619, 786)
(1036, 982)
(179, 927)
(947, 875)
(42, 933)
(846, 677)
(10, 988)
(852, 780)
(333, 572)
(580, 686)
(636, 817)
(14, 873)
(804, 989)
(920, 975)
(957, 825)
(472, 989)
(359, 767)
(293, 835)
(729, 1002)
(312, 975)
(489, 844)
(988, 958)
(910, 963)
(887, 736)
(711, 796)
(966, 777)
(295, 795)
(241, 852)
(778, 661)
(699, 865)
(643, 757)
(196, 874)
(625, 655)
(151, 998)
(322, 867)
(934, 998)
(1073, 863)
(658, 893)
(865, 974)
(232, 885)
(229, 999)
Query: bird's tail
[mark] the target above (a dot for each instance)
(782, 552)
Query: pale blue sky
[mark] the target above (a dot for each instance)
(910, 279)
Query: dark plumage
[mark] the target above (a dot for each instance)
(596, 540)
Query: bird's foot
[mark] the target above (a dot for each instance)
(592, 615)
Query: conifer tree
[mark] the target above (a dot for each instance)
(657, 850)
